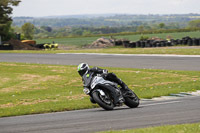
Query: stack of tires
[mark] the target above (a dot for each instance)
(6, 47)
(196, 41)
(162, 43)
(152, 43)
(187, 41)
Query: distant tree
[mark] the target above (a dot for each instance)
(194, 23)
(173, 26)
(86, 32)
(140, 28)
(77, 31)
(6, 8)
(28, 30)
(161, 25)
(46, 28)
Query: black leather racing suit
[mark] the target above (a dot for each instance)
(108, 76)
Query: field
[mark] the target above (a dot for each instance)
(79, 41)
(35, 88)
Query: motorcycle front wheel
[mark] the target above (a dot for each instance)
(103, 101)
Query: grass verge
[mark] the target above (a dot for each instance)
(183, 128)
(117, 50)
(35, 88)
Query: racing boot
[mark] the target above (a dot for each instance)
(127, 91)
(114, 78)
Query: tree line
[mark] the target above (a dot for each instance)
(6, 32)
(114, 24)
(29, 31)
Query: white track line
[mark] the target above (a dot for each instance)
(160, 103)
(157, 55)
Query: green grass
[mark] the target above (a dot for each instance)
(79, 41)
(71, 41)
(183, 128)
(117, 50)
(35, 88)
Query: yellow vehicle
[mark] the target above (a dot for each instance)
(30, 42)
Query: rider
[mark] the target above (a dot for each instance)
(84, 69)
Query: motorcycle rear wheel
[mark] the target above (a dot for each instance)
(132, 101)
(106, 104)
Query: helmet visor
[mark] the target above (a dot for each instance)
(82, 72)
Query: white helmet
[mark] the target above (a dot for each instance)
(83, 68)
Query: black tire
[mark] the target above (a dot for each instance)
(101, 103)
(132, 102)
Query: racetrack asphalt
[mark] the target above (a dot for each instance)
(149, 113)
(170, 62)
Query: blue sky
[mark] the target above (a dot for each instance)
(38, 8)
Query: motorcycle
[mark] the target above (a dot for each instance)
(105, 93)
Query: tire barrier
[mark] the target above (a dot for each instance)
(196, 41)
(6, 47)
(188, 41)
